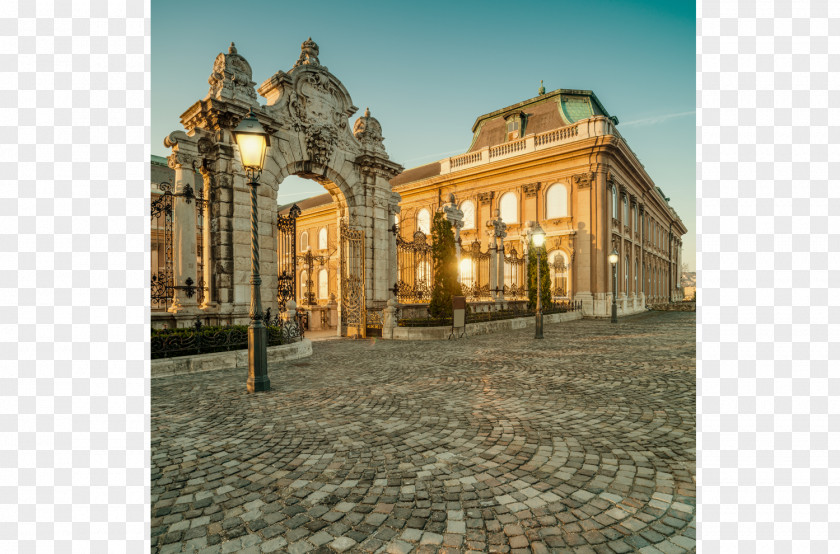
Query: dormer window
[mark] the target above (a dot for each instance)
(514, 126)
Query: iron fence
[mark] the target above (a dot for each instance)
(512, 312)
(474, 274)
(415, 269)
(205, 339)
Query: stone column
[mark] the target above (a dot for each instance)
(210, 293)
(497, 233)
(182, 161)
(491, 249)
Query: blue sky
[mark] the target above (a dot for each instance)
(428, 69)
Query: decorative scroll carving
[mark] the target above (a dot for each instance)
(485, 197)
(584, 180)
(531, 189)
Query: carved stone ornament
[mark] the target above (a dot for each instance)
(320, 140)
(531, 189)
(368, 132)
(485, 197)
(584, 180)
(231, 78)
(499, 226)
(454, 215)
(179, 159)
(308, 53)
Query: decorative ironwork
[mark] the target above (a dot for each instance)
(514, 310)
(515, 269)
(188, 287)
(286, 256)
(201, 339)
(474, 272)
(162, 218)
(353, 280)
(310, 260)
(560, 276)
(415, 269)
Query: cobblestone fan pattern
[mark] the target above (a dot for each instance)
(581, 442)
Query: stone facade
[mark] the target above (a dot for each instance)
(558, 159)
(307, 115)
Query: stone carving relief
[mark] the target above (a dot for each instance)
(530, 189)
(584, 180)
(231, 78)
(485, 197)
(308, 54)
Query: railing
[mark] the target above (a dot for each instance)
(587, 128)
(201, 339)
(465, 159)
(507, 148)
(474, 272)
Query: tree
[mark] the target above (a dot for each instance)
(545, 278)
(446, 283)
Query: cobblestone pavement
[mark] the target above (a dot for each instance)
(581, 442)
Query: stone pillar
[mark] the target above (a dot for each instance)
(455, 217)
(183, 158)
(210, 293)
(500, 277)
(498, 233)
(491, 249)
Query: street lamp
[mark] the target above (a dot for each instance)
(613, 258)
(252, 140)
(538, 239)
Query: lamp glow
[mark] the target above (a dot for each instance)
(613, 257)
(252, 141)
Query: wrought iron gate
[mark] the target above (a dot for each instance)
(515, 286)
(162, 213)
(353, 281)
(286, 257)
(415, 273)
(475, 272)
(162, 274)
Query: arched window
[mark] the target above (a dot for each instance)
(424, 221)
(627, 275)
(626, 212)
(466, 272)
(304, 241)
(636, 279)
(557, 201)
(507, 208)
(558, 265)
(322, 239)
(469, 214)
(323, 284)
(304, 277)
(614, 203)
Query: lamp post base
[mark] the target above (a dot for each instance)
(257, 359)
(614, 318)
(538, 326)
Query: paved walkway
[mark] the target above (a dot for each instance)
(582, 442)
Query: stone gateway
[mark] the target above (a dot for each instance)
(307, 114)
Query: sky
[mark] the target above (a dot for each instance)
(428, 69)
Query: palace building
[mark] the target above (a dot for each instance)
(558, 159)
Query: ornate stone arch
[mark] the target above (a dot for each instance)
(307, 114)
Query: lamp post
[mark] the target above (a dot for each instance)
(252, 141)
(538, 239)
(613, 258)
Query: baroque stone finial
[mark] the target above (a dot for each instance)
(308, 53)
(232, 48)
(542, 88)
(367, 112)
(451, 197)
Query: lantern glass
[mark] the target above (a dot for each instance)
(613, 257)
(251, 149)
(538, 238)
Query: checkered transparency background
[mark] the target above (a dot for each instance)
(74, 167)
